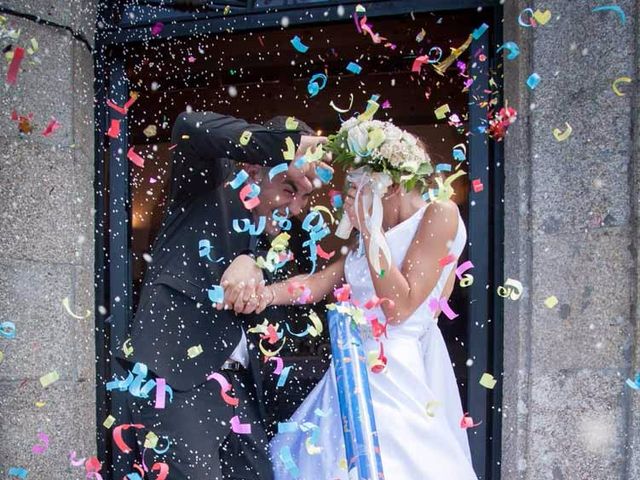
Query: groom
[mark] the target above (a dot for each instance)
(176, 332)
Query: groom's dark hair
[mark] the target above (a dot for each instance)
(279, 122)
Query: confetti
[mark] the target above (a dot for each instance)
(562, 136)
(51, 127)
(512, 48)
(114, 129)
(245, 137)
(136, 159)
(467, 280)
(156, 28)
(117, 435)
(193, 352)
(533, 81)
(354, 68)
(511, 289)
(618, 81)
(443, 305)
(42, 446)
(441, 112)
(240, 428)
(290, 152)
(420, 36)
(467, 422)
(450, 258)
(109, 421)
(317, 83)
(298, 45)
(551, 301)
(478, 32)
(65, 304)
(216, 294)
(477, 185)
(150, 131)
(487, 381)
(49, 379)
(14, 66)
(18, 472)
(7, 330)
(277, 170)
(612, 8)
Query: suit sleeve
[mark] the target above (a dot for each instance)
(207, 144)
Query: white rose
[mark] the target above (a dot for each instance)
(357, 139)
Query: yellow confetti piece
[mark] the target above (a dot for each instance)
(314, 156)
(441, 112)
(1, 356)
(49, 378)
(542, 17)
(109, 421)
(511, 289)
(194, 351)
(372, 108)
(65, 304)
(40, 404)
(245, 137)
(562, 136)
(487, 381)
(615, 84)
(551, 301)
(431, 407)
(291, 123)
(342, 110)
(290, 152)
(150, 131)
(185, 137)
(151, 440)
(127, 348)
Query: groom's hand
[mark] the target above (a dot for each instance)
(240, 281)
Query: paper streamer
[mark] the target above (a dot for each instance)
(65, 304)
(443, 305)
(298, 45)
(14, 66)
(511, 289)
(279, 364)
(617, 82)
(43, 446)
(239, 179)
(136, 159)
(225, 387)
(512, 48)
(249, 196)
(8, 330)
(289, 463)
(356, 409)
(240, 428)
(161, 387)
(612, 8)
(277, 170)
(342, 110)
(317, 83)
(467, 280)
(245, 225)
(117, 435)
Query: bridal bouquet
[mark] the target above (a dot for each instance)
(377, 154)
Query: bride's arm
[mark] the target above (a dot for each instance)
(320, 283)
(408, 287)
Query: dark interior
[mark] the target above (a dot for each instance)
(270, 78)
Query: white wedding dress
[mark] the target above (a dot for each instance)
(416, 402)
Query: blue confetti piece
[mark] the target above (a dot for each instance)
(216, 294)
(612, 8)
(8, 330)
(459, 155)
(277, 170)
(299, 163)
(354, 68)
(513, 49)
(478, 32)
(18, 472)
(298, 45)
(287, 427)
(282, 379)
(324, 174)
(314, 87)
(245, 225)
(443, 167)
(289, 463)
(533, 81)
(239, 179)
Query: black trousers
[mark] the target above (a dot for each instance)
(197, 423)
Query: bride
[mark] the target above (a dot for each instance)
(415, 398)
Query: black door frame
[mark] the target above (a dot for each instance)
(112, 202)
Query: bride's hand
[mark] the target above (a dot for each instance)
(350, 208)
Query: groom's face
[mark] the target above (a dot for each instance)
(287, 193)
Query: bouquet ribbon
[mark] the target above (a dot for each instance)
(372, 186)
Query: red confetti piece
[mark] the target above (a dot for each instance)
(114, 129)
(447, 260)
(117, 435)
(51, 127)
(225, 387)
(135, 158)
(477, 185)
(14, 66)
(322, 254)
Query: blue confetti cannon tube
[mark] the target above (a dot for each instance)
(354, 396)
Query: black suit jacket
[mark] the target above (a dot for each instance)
(200, 207)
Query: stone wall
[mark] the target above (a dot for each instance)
(572, 231)
(46, 253)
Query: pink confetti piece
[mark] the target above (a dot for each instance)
(161, 385)
(463, 268)
(467, 422)
(43, 446)
(225, 387)
(51, 127)
(240, 428)
(14, 66)
(157, 28)
(135, 158)
(442, 303)
(386, 104)
(447, 260)
(279, 364)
